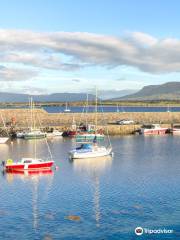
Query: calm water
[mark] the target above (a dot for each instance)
(54, 109)
(140, 186)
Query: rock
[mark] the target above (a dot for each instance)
(47, 237)
(73, 218)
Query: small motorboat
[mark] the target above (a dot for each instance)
(87, 150)
(176, 130)
(20, 134)
(3, 140)
(32, 164)
(54, 133)
(153, 129)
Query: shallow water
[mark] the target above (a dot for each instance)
(94, 199)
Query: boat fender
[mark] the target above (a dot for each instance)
(112, 154)
(9, 161)
(56, 167)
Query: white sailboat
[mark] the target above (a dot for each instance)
(67, 109)
(91, 149)
(168, 109)
(117, 108)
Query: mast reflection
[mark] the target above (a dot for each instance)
(94, 167)
(34, 178)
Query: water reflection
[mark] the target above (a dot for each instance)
(94, 167)
(34, 178)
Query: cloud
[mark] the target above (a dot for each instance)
(33, 90)
(16, 74)
(121, 79)
(76, 80)
(71, 51)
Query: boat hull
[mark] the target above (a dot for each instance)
(57, 134)
(3, 140)
(29, 166)
(90, 154)
(89, 137)
(38, 136)
(176, 131)
(161, 131)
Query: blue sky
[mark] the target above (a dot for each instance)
(57, 46)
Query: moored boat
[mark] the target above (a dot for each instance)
(28, 164)
(89, 136)
(34, 134)
(90, 151)
(153, 129)
(176, 130)
(54, 133)
(67, 109)
(3, 140)
(90, 148)
(88, 133)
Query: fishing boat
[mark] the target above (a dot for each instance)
(153, 129)
(176, 130)
(67, 109)
(32, 164)
(54, 133)
(90, 149)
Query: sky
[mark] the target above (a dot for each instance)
(74, 45)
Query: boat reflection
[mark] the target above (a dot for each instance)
(33, 178)
(94, 167)
(91, 165)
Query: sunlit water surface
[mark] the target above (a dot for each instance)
(140, 186)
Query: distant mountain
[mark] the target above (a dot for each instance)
(166, 91)
(108, 94)
(55, 97)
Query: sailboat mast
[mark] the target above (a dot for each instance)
(96, 111)
(30, 103)
(34, 126)
(87, 109)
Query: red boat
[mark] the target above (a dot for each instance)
(32, 164)
(37, 172)
(153, 129)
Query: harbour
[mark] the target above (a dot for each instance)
(64, 121)
(88, 199)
